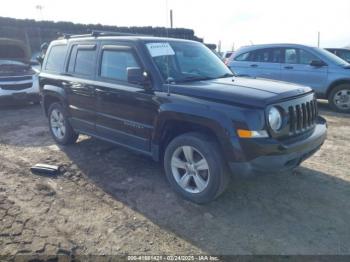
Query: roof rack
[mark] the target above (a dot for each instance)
(96, 33)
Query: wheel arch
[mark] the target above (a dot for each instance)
(170, 127)
(52, 94)
(335, 84)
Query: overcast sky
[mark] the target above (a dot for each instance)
(238, 22)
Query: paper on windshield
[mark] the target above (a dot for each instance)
(160, 49)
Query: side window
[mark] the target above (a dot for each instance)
(84, 63)
(262, 55)
(290, 56)
(55, 58)
(82, 60)
(305, 57)
(114, 64)
(276, 55)
(243, 57)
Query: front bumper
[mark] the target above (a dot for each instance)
(279, 156)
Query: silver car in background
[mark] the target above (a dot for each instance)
(18, 79)
(326, 73)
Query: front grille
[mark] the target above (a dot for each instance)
(302, 116)
(16, 87)
(15, 78)
(299, 116)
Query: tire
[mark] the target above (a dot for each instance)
(342, 93)
(199, 185)
(60, 128)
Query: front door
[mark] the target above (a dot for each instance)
(297, 69)
(125, 111)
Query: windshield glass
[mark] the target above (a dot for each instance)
(186, 61)
(335, 59)
(345, 54)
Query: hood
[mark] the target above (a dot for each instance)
(12, 49)
(241, 91)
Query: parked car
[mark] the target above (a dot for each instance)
(343, 53)
(176, 102)
(226, 56)
(18, 80)
(326, 73)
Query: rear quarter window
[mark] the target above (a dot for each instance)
(55, 59)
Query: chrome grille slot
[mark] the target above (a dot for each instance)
(16, 87)
(302, 116)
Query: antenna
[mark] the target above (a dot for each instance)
(168, 80)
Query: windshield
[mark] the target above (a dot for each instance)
(335, 59)
(345, 54)
(186, 61)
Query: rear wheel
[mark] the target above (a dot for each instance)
(339, 98)
(60, 127)
(195, 168)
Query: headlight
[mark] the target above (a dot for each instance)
(275, 119)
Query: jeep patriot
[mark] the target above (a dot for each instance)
(176, 101)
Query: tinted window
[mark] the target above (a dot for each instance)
(55, 59)
(84, 63)
(291, 56)
(305, 57)
(276, 55)
(243, 57)
(115, 63)
(262, 55)
(73, 55)
(299, 56)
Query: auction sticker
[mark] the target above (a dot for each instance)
(160, 49)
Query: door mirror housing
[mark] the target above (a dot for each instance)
(317, 63)
(138, 76)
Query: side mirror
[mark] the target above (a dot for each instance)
(317, 63)
(138, 76)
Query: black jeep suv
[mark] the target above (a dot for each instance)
(176, 101)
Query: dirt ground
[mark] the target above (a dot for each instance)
(111, 201)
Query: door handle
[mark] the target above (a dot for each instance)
(288, 67)
(253, 65)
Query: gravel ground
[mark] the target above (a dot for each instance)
(111, 201)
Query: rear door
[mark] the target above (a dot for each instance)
(80, 90)
(297, 68)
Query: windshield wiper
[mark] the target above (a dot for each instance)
(194, 78)
(226, 75)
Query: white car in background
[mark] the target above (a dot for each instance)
(18, 79)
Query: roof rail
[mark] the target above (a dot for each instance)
(96, 33)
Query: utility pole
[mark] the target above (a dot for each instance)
(40, 9)
(318, 38)
(171, 18)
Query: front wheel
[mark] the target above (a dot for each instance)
(60, 127)
(195, 168)
(339, 98)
